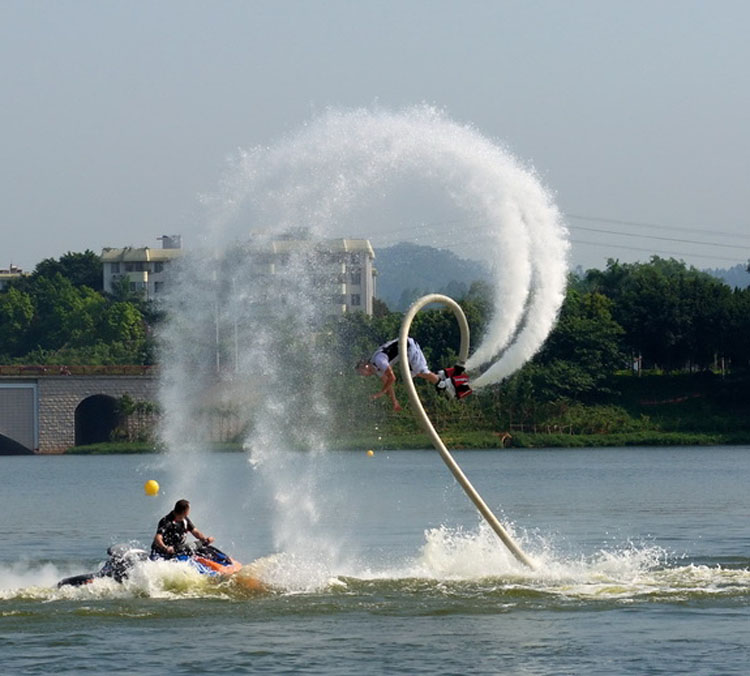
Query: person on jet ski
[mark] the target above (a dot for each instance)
(171, 533)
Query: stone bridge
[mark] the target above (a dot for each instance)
(50, 413)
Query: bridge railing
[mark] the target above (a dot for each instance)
(77, 370)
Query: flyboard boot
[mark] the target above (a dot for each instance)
(454, 382)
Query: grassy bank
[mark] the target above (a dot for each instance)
(491, 440)
(113, 448)
(627, 439)
(125, 447)
(471, 440)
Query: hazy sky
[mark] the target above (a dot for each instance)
(116, 114)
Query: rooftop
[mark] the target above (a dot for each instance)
(131, 254)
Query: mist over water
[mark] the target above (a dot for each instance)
(412, 175)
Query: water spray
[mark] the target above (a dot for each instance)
(364, 173)
(425, 421)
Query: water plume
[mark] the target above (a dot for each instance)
(336, 175)
(413, 175)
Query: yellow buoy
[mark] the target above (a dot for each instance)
(151, 487)
(370, 452)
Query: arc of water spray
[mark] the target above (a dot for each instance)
(425, 421)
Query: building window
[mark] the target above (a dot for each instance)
(158, 287)
(114, 268)
(356, 300)
(355, 275)
(158, 266)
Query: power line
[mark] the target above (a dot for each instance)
(653, 251)
(658, 226)
(473, 219)
(440, 243)
(473, 223)
(663, 239)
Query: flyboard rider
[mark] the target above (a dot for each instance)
(452, 381)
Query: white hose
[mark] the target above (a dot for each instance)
(421, 415)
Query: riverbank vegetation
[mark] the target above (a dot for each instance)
(59, 316)
(643, 353)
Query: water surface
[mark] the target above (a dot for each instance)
(642, 565)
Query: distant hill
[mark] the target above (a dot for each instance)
(736, 276)
(407, 271)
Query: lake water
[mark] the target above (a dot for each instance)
(380, 564)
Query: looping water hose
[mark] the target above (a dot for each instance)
(424, 420)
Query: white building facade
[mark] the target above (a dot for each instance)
(145, 269)
(344, 267)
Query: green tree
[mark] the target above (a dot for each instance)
(65, 314)
(81, 269)
(379, 308)
(737, 343)
(672, 315)
(121, 322)
(122, 292)
(583, 350)
(16, 315)
(56, 315)
(75, 325)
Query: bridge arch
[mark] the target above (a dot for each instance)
(10, 446)
(96, 417)
(50, 412)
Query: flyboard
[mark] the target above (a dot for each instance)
(425, 421)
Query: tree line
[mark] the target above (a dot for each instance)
(60, 315)
(660, 316)
(684, 330)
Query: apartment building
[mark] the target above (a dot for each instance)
(144, 268)
(342, 268)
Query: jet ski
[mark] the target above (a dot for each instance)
(206, 559)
